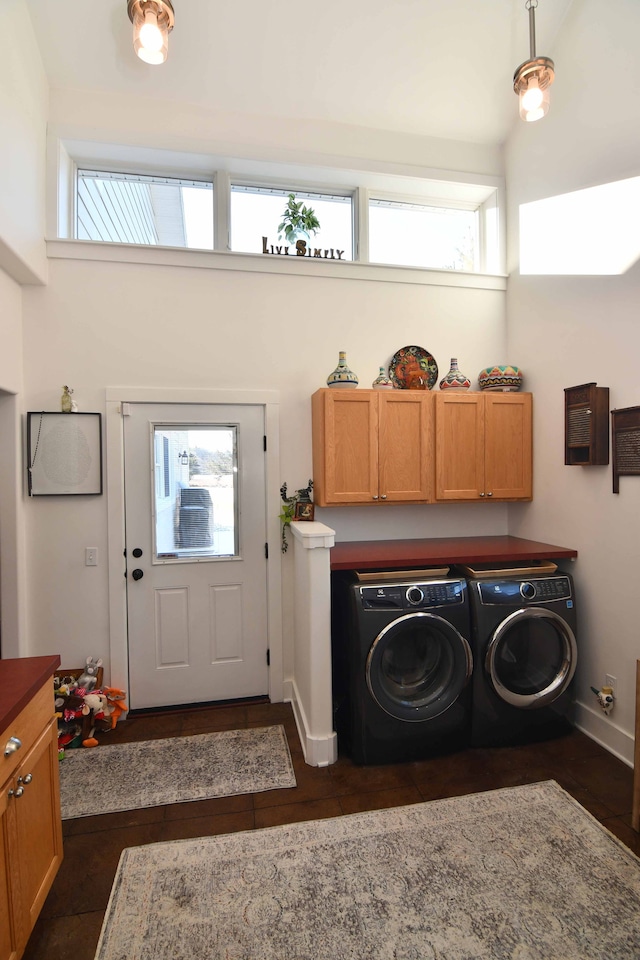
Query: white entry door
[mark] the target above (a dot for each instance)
(195, 546)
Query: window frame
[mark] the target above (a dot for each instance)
(484, 193)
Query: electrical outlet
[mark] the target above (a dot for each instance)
(91, 556)
(610, 681)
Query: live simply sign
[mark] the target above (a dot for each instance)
(302, 250)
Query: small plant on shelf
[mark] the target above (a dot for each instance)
(288, 511)
(298, 221)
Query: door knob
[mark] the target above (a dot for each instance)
(137, 574)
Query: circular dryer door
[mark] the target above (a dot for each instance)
(531, 658)
(418, 666)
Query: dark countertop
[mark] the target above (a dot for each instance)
(402, 554)
(20, 679)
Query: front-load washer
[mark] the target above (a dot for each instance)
(525, 654)
(401, 667)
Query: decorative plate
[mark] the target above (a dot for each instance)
(413, 368)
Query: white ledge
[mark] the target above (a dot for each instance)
(312, 534)
(267, 263)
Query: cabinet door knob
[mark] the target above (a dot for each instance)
(482, 494)
(12, 745)
(383, 497)
(490, 494)
(375, 497)
(17, 792)
(26, 780)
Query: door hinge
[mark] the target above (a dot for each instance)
(264, 444)
(266, 551)
(268, 657)
(125, 409)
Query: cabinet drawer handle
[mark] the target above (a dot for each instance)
(12, 745)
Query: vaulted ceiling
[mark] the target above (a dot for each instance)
(440, 68)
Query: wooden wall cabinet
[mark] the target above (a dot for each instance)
(586, 425)
(483, 446)
(372, 446)
(30, 824)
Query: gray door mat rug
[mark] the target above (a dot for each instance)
(522, 873)
(127, 776)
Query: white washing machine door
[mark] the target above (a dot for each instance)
(531, 658)
(418, 666)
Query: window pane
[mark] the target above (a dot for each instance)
(256, 212)
(123, 208)
(196, 508)
(413, 235)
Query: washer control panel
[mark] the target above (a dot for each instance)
(543, 590)
(412, 596)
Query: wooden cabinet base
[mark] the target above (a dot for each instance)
(30, 824)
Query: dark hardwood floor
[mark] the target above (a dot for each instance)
(70, 922)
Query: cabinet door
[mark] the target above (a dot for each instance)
(508, 443)
(459, 446)
(405, 445)
(8, 945)
(345, 446)
(36, 831)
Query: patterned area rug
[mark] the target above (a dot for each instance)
(517, 874)
(151, 773)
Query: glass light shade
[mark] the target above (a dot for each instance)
(150, 35)
(533, 100)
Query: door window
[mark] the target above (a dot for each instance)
(195, 492)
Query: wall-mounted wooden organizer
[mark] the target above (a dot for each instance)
(625, 431)
(586, 425)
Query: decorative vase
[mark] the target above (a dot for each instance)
(382, 381)
(342, 376)
(455, 380)
(500, 379)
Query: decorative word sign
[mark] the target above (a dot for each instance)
(302, 250)
(625, 427)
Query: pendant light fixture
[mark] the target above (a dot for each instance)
(532, 79)
(152, 23)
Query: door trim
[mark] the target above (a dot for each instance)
(115, 397)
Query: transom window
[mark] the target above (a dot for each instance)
(256, 212)
(157, 211)
(417, 235)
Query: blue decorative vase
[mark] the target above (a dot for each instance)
(342, 376)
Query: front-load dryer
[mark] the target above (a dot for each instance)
(401, 667)
(525, 655)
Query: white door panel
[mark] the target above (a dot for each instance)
(195, 508)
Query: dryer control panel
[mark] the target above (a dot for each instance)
(543, 590)
(412, 596)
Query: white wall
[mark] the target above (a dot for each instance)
(108, 324)
(566, 331)
(23, 116)
(12, 554)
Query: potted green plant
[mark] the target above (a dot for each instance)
(298, 221)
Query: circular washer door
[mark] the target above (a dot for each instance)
(418, 666)
(531, 658)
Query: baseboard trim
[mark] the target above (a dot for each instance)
(318, 751)
(605, 732)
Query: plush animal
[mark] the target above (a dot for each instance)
(89, 678)
(94, 713)
(115, 703)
